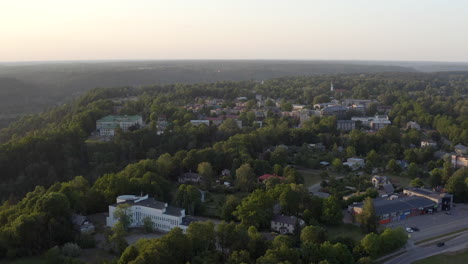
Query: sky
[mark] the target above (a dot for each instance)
(401, 30)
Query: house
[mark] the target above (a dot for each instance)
(106, 126)
(428, 143)
(190, 177)
(354, 163)
(443, 201)
(379, 181)
(200, 122)
(345, 125)
(226, 173)
(82, 224)
(460, 149)
(266, 177)
(163, 216)
(413, 125)
(459, 161)
(285, 224)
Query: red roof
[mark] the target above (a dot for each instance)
(268, 176)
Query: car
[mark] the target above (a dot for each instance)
(415, 228)
(409, 230)
(440, 244)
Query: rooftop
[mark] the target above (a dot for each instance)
(268, 176)
(404, 204)
(291, 220)
(117, 118)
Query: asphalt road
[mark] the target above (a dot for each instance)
(431, 226)
(419, 252)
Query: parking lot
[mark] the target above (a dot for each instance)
(435, 224)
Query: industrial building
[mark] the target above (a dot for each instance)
(397, 209)
(444, 201)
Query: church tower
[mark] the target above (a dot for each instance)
(331, 86)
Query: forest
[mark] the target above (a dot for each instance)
(51, 168)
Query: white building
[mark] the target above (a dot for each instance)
(106, 126)
(428, 143)
(376, 122)
(355, 163)
(163, 216)
(285, 224)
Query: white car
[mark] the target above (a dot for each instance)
(409, 230)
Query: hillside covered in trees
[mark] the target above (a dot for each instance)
(52, 166)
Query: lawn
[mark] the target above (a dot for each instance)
(311, 177)
(345, 230)
(447, 258)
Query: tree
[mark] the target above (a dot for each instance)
(279, 156)
(202, 235)
(256, 209)
(337, 165)
(436, 177)
(124, 215)
(148, 225)
(245, 177)
(350, 152)
(226, 235)
(332, 213)
(189, 198)
(372, 159)
(313, 234)
(413, 170)
(371, 244)
(117, 239)
(229, 127)
(239, 257)
(368, 217)
(206, 171)
(229, 207)
(417, 182)
(393, 166)
(457, 186)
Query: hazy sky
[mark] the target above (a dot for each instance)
(428, 30)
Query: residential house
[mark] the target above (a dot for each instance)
(461, 149)
(413, 125)
(82, 224)
(266, 177)
(354, 163)
(428, 143)
(285, 224)
(190, 177)
(379, 181)
(459, 161)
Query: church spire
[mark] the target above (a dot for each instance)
(331, 86)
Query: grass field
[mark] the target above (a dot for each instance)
(448, 258)
(311, 177)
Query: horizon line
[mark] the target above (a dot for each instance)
(250, 60)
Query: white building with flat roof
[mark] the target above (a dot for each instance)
(163, 216)
(106, 126)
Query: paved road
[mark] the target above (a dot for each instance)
(417, 252)
(432, 226)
